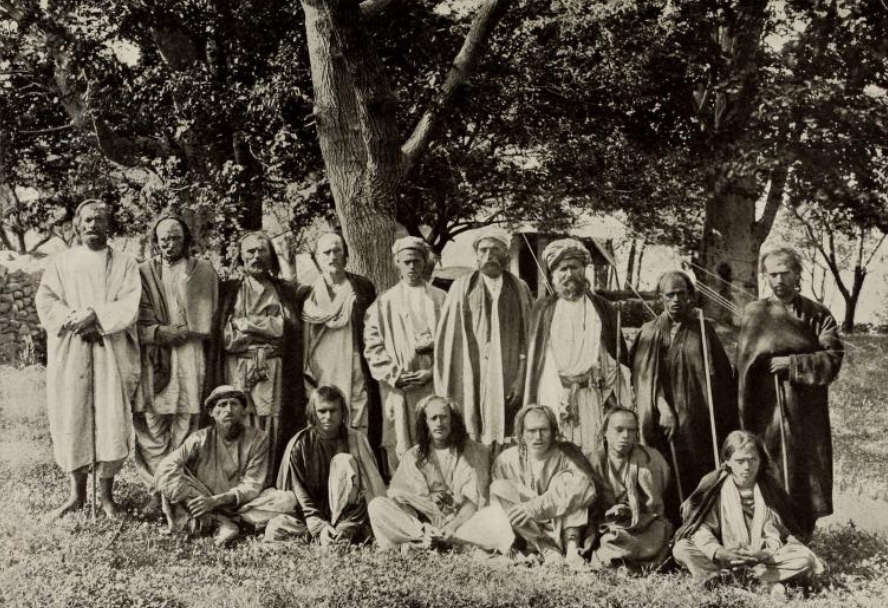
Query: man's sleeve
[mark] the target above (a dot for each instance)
(50, 303)
(381, 365)
(706, 536)
(822, 367)
(252, 480)
(122, 313)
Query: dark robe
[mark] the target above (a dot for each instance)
(538, 338)
(675, 369)
(809, 335)
(293, 405)
(365, 294)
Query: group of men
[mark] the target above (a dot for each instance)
(503, 423)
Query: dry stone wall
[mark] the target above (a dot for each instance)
(22, 339)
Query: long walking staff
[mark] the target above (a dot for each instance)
(782, 414)
(705, 342)
(92, 408)
(681, 496)
(619, 375)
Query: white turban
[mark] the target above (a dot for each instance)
(493, 232)
(559, 250)
(410, 242)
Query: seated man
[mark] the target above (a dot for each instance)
(629, 523)
(439, 487)
(739, 519)
(544, 486)
(332, 471)
(216, 471)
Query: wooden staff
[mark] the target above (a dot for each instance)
(681, 497)
(92, 406)
(705, 342)
(619, 376)
(781, 414)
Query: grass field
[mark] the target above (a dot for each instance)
(79, 563)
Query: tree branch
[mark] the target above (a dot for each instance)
(469, 56)
(775, 198)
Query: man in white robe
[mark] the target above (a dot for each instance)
(179, 297)
(88, 302)
(574, 347)
(399, 332)
(481, 342)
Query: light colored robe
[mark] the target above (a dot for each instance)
(83, 378)
(393, 330)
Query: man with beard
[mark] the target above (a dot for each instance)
(796, 340)
(628, 522)
(179, 296)
(88, 302)
(256, 344)
(573, 348)
(436, 496)
(399, 342)
(544, 487)
(333, 311)
(332, 472)
(481, 342)
(669, 376)
(216, 471)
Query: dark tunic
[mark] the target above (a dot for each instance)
(674, 369)
(808, 333)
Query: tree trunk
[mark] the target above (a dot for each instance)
(630, 265)
(850, 313)
(639, 263)
(354, 112)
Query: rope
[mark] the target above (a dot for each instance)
(718, 298)
(728, 283)
(538, 265)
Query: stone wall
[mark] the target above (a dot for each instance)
(22, 339)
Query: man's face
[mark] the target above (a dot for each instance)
(411, 266)
(438, 419)
(621, 433)
(329, 418)
(781, 276)
(228, 415)
(491, 256)
(744, 465)
(538, 435)
(330, 254)
(676, 298)
(569, 278)
(171, 240)
(256, 255)
(93, 226)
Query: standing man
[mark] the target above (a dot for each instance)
(333, 310)
(797, 340)
(88, 302)
(669, 376)
(256, 344)
(179, 297)
(573, 348)
(399, 334)
(481, 342)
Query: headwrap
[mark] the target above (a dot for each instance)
(410, 242)
(186, 233)
(225, 392)
(562, 249)
(493, 232)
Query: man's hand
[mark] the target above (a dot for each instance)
(667, 421)
(328, 535)
(519, 515)
(732, 559)
(202, 505)
(779, 365)
(516, 393)
(172, 334)
(80, 322)
(618, 512)
(413, 380)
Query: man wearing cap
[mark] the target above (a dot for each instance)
(179, 296)
(481, 341)
(216, 471)
(333, 310)
(573, 348)
(88, 302)
(399, 332)
(256, 345)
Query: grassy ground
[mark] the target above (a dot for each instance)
(80, 563)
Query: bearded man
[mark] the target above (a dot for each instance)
(179, 297)
(573, 348)
(481, 342)
(88, 302)
(399, 335)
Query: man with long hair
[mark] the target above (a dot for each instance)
(544, 487)
(179, 297)
(628, 518)
(88, 302)
(439, 487)
(740, 519)
(332, 472)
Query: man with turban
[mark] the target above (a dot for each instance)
(399, 332)
(481, 342)
(179, 297)
(573, 338)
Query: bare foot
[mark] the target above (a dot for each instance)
(74, 503)
(110, 508)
